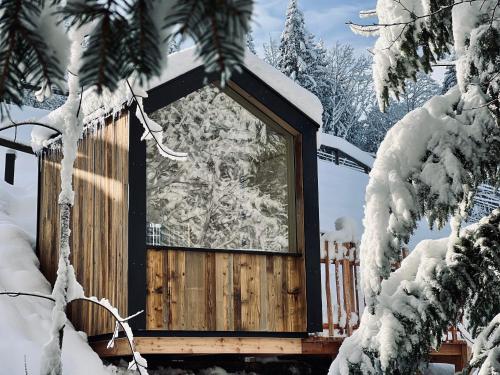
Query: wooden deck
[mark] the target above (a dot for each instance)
(340, 267)
(450, 352)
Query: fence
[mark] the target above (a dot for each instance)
(340, 158)
(342, 293)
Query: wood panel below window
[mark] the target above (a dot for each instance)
(209, 291)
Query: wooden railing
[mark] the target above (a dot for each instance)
(342, 292)
(343, 297)
(339, 157)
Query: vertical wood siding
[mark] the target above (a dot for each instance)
(209, 291)
(99, 222)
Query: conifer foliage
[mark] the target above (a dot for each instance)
(435, 286)
(295, 54)
(127, 37)
(24, 53)
(430, 164)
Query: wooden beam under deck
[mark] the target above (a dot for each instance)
(454, 352)
(202, 346)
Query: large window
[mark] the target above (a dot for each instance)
(235, 191)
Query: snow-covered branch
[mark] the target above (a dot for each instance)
(138, 362)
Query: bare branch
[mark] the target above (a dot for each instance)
(36, 295)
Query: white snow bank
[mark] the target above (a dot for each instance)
(342, 194)
(26, 321)
(345, 146)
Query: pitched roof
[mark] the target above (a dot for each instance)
(97, 106)
(186, 60)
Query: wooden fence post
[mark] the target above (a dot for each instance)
(328, 291)
(348, 288)
(337, 284)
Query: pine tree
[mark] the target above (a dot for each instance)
(295, 48)
(431, 164)
(450, 79)
(250, 43)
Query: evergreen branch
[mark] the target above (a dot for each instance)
(143, 50)
(414, 18)
(24, 54)
(220, 41)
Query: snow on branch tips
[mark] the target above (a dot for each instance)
(430, 164)
(153, 130)
(435, 285)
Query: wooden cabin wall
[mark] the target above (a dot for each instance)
(99, 222)
(209, 291)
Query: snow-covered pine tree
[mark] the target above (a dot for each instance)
(271, 52)
(249, 41)
(437, 283)
(430, 164)
(450, 79)
(295, 54)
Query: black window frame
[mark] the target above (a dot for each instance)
(280, 107)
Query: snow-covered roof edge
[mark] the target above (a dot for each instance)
(186, 60)
(95, 107)
(346, 147)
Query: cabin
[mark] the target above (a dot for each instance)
(223, 244)
(221, 251)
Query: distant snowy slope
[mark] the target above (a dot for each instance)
(25, 321)
(342, 194)
(346, 147)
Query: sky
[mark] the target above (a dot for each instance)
(324, 18)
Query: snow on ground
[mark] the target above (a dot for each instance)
(342, 195)
(26, 321)
(24, 162)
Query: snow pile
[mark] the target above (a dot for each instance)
(345, 231)
(26, 321)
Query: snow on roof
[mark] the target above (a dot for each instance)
(186, 60)
(346, 147)
(96, 106)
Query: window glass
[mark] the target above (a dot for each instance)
(235, 190)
